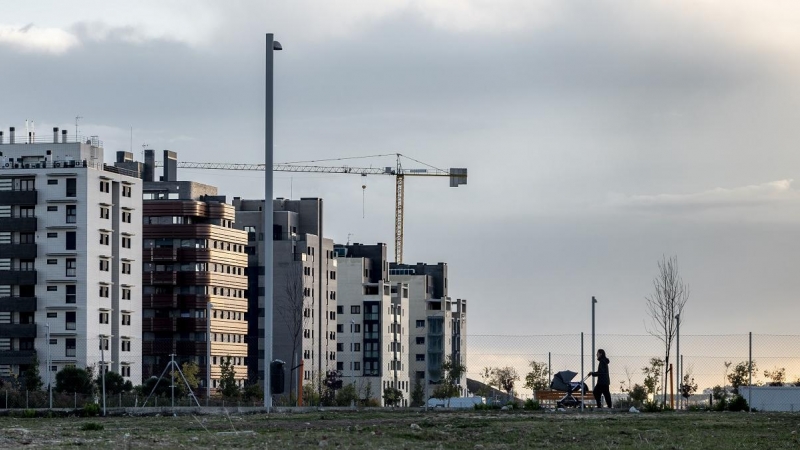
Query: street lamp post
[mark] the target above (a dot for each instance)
(679, 372)
(353, 354)
(594, 302)
(271, 46)
(209, 308)
(49, 383)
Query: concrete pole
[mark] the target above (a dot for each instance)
(49, 384)
(103, 371)
(679, 372)
(581, 386)
(172, 384)
(594, 302)
(271, 46)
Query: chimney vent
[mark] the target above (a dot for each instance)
(55, 135)
(11, 135)
(63, 136)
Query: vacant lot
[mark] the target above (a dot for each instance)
(410, 429)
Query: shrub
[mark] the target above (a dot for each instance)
(486, 407)
(92, 426)
(91, 410)
(29, 413)
(738, 403)
(531, 404)
(651, 406)
(721, 405)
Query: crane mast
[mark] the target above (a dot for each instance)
(458, 176)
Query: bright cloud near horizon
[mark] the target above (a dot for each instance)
(598, 135)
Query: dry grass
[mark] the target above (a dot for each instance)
(377, 429)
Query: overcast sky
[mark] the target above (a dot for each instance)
(599, 135)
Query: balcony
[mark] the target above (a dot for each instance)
(20, 251)
(189, 301)
(183, 348)
(158, 324)
(18, 330)
(17, 277)
(159, 254)
(18, 197)
(17, 304)
(19, 224)
(155, 278)
(17, 357)
(190, 324)
(159, 301)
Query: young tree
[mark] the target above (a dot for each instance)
(293, 309)
(741, 375)
(392, 396)
(33, 381)
(190, 371)
(418, 394)
(72, 379)
(227, 379)
(778, 376)
(115, 384)
(669, 296)
(452, 371)
(332, 382)
(347, 395)
(652, 375)
(638, 394)
(504, 379)
(538, 378)
(688, 386)
(487, 375)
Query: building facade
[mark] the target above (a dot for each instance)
(304, 289)
(70, 258)
(372, 323)
(437, 323)
(194, 280)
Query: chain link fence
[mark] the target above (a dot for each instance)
(707, 359)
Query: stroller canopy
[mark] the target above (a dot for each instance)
(562, 381)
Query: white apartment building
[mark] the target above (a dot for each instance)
(437, 323)
(70, 258)
(372, 329)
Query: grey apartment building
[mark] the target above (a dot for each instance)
(70, 257)
(437, 323)
(304, 289)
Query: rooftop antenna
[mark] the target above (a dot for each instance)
(77, 118)
(144, 146)
(348, 238)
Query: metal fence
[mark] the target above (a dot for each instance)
(709, 359)
(21, 399)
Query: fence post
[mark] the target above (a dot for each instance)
(583, 392)
(76, 399)
(26, 399)
(750, 372)
(6, 398)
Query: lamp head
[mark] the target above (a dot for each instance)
(276, 45)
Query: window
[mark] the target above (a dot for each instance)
(72, 213)
(52, 261)
(70, 346)
(52, 235)
(103, 317)
(27, 211)
(339, 347)
(72, 187)
(420, 356)
(126, 370)
(126, 346)
(127, 191)
(53, 341)
(70, 320)
(420, 340)
(355, 328)
(52, 315)
(70, 242)
(420, 324)
(52, 288)
(27, 264)
(72, 267)
(126, 319)
(126, 268)
(27, 238)
(105, 186)
(104, 265)
(339, 328)
(126, 216)
(104, 238)
(355, 309)
(105, 212)
(103, 344)
(357, 365)
(126, 242)
(356, 346)
(52, 208)
(339, 365)
(50, 182)
(126, 294)
(104, 291)
(340, 309)
(71, 294)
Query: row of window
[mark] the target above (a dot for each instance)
(71, 289)
(194, 267)
(192, 243)
(103, 318)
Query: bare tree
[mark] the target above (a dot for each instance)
(291, 307)
(667, 301)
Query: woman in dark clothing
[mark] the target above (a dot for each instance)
(603, 380)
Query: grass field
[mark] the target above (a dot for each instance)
(381, 429)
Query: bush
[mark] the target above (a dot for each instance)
(531, 404)
(721, 405)
(91, 410)
(738, 403)
(29, 413)
(92, 426)
(486, 407)
(651, 406)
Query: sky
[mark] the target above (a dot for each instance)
(599, 135)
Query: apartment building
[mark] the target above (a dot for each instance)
(304, 289)
(437, 323)
(372, 323)
(194, 281)
(70, 257)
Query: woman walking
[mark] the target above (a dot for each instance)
(603, 380)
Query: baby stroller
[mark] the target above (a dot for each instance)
(562, 381)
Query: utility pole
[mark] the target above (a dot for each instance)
(208, 351)
(49, 363)
(103, 370)
(594, 302)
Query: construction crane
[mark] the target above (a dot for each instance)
(458, 176)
